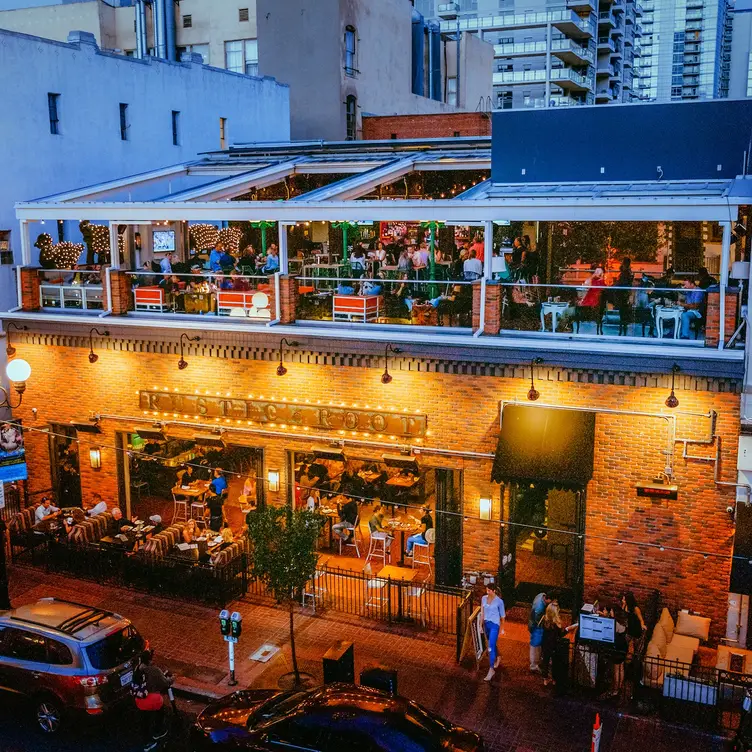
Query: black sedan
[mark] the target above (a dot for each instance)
(333, 718)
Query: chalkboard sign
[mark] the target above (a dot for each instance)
(479, 638)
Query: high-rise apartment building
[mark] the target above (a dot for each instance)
(551, 54)
(595, 52)
(685, 50)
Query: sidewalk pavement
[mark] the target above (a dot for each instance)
(514, 712)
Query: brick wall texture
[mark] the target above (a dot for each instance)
(376, 127)
(463, 414)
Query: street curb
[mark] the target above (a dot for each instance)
(187, 692)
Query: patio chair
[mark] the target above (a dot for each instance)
(422, 551)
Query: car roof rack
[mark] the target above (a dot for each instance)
(76, 623)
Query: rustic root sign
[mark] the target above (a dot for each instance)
(320, 417)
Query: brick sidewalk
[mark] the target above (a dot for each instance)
(515, 713)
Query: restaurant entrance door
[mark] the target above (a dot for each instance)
(64, 464)
(544, 541)
(448, 521)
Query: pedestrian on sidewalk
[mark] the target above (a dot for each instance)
(492, 615)
(148, 686)
(538, 609)
(553, 633)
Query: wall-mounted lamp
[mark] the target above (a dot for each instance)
(672, 400)
(18, 372)
(272, 476)
(93, 357)
(95, 458)
(10, 351)
(183, 363)
(485, 509)
(386, 377)
(533, 393)
(281, 370)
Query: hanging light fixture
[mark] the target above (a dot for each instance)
(386, 377)
(93, 357)
(18, 372)
(281, 370)
(10, 351)
(672, 400)
(533, 394)
(183, 363)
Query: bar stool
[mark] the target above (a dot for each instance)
(422, 551)
(198, 510)
(378, 547)
(417, 604)
(374, 593)
(314, 590)
(354, 540)
(180, 512)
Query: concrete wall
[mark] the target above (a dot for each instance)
(89, 149)
(313, 31)
(741, 46)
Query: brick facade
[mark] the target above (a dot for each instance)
(463, 416)
(122, 292)
(30, 300)
(712, 323)
(447, 125)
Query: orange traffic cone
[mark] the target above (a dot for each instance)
(595, 746)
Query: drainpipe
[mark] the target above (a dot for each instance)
(169, 16)
(157, 8)
(141, 46)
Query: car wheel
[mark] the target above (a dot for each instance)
(48, 712)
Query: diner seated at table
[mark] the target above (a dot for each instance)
(313, 500)
(348, 515)
(404, 262)
(472, 268)
(358, 262)
(369, 287)
(46, 510)
(117, 519)
(95, 506)
(238, 282)
(376, 525)
(215, 257)
(694, 298)
(271, 264)
(223, 283)
(156, 522)
(426, 522)
(189, 532)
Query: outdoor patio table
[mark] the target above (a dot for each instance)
(398, 576)
(668, 313)
(555, 309)
(403, 525)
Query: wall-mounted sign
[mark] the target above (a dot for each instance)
(320, 417)
(658, 491)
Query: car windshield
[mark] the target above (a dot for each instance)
(115, 649)
(275, 708)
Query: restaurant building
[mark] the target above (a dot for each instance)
(590, 454)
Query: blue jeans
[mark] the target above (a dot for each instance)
(412, 540)
(491, 628)
(687, 318)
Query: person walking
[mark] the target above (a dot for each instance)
(534, 627)
(493, 616)
(148, 687)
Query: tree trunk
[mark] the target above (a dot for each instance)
(292, 646)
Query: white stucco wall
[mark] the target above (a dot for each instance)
(89, 150)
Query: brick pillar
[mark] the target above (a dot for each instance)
(29, 289)
(288, 293)
(272, 293)
(712, 321)
(122, 294)
(493, 307)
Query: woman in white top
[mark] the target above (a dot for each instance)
(493, 615)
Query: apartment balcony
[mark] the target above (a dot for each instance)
(566, 101)
(606, 43)
(694, 16)
(583, 5)
(570, 80)
(638, 9)
(570, 52)
(692, 49)
(604, 95)
(511, 78)
(448, 11)
(521, 49)
(606, 70)
(618, 29)
(606, 20)
(619, 6)
(629, 16)
(693, 26)
(566, 21)
(628, 59)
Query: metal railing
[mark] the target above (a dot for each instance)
(71, 289)
(422, 302)
(650, 312)
(213, 293)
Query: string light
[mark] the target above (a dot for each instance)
(63, 255)
(230, 238)
(203, 236)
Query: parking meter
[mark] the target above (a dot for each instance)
(236, 624)
(224, 622)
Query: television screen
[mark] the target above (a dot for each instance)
(163, 241)
(598, 628)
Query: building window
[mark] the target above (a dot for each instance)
(196, 49)
(351, 117)
(6, 255)
(451, 93)
(394, 136)
(223, 133)
(175, 128)
(241, 56)
(53, 106)
(350, 51)
(187, 22)
(243, 14)
(123, 121)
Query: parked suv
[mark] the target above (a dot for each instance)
(65, 657)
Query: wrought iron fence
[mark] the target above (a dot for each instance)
(691, 694)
